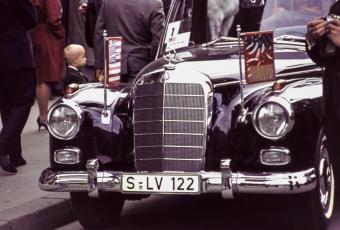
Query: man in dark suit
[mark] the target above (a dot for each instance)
(92, 10)
(140, 23)
(323, 42)
(17, 88)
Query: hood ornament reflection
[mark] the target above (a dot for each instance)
(168, 57)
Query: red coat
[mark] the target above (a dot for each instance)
(48, 42)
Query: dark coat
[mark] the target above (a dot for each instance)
(93, 7)
(74, 76)
(331, 95)
(15, 44)
(140, 23)
(48, 42)
(17, 88)
(331, 80)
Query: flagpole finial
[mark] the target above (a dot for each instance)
(238, 28)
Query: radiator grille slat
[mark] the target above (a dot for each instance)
(149, 115)
(184, 101)
(183, 127)
(183, 114)
(169, 127)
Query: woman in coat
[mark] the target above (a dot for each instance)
(48, 45)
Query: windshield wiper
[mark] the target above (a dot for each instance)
(291, 39)
(220, 39)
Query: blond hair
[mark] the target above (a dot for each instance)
(72, 51)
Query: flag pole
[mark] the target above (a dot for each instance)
(242, 117)
(105, 114)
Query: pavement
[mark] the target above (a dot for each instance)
(22, 204)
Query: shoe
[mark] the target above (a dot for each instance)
(17, 162)
(6, 165)
(41, 124)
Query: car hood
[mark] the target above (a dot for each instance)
(222, 64)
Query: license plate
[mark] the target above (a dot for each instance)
(134, 183)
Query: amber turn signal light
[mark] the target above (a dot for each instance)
(279, 85)
(71, 88)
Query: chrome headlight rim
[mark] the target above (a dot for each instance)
(71, 105)
(287, 108)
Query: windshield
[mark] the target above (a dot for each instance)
(291, 16)
(200, 21)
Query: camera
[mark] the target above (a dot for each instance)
(328, 46)
(331, 17)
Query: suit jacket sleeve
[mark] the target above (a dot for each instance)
(315, 54)
(53, 14)
(98, 38)
(156, 26)
(90, 23)
(27, 13)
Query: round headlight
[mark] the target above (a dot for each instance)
(274, 118)
(64, 120)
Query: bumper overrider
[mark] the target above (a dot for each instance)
(226, 182)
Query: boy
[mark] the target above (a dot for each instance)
(75, 58)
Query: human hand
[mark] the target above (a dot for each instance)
(100, 75)
(333, 32)
(316, 29)
(83, 8)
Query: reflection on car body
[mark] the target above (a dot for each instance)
(180, 129)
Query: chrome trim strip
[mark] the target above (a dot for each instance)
(169, 120)
(169, 159)
(193, 108)
(171, 95)
(148, 146)
(298, 72)
(172, 146)
(227, 84)
(183, 95)
(184, 146)
(188, 134)
(163, 122)
(278, 75)
(92, 167)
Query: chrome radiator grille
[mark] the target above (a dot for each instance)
(169, 127)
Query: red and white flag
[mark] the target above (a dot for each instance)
(113, 59)
(258, 56)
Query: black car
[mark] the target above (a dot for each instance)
(189, 124)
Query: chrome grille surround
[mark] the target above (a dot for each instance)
(170, 117)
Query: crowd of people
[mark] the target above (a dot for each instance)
(49, 44)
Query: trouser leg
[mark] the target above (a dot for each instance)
(16, 98)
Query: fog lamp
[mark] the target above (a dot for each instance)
(275, 156)
(67, 156)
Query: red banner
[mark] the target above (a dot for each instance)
(113, 59)
(259, 56)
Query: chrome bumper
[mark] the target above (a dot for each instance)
(226, 182)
